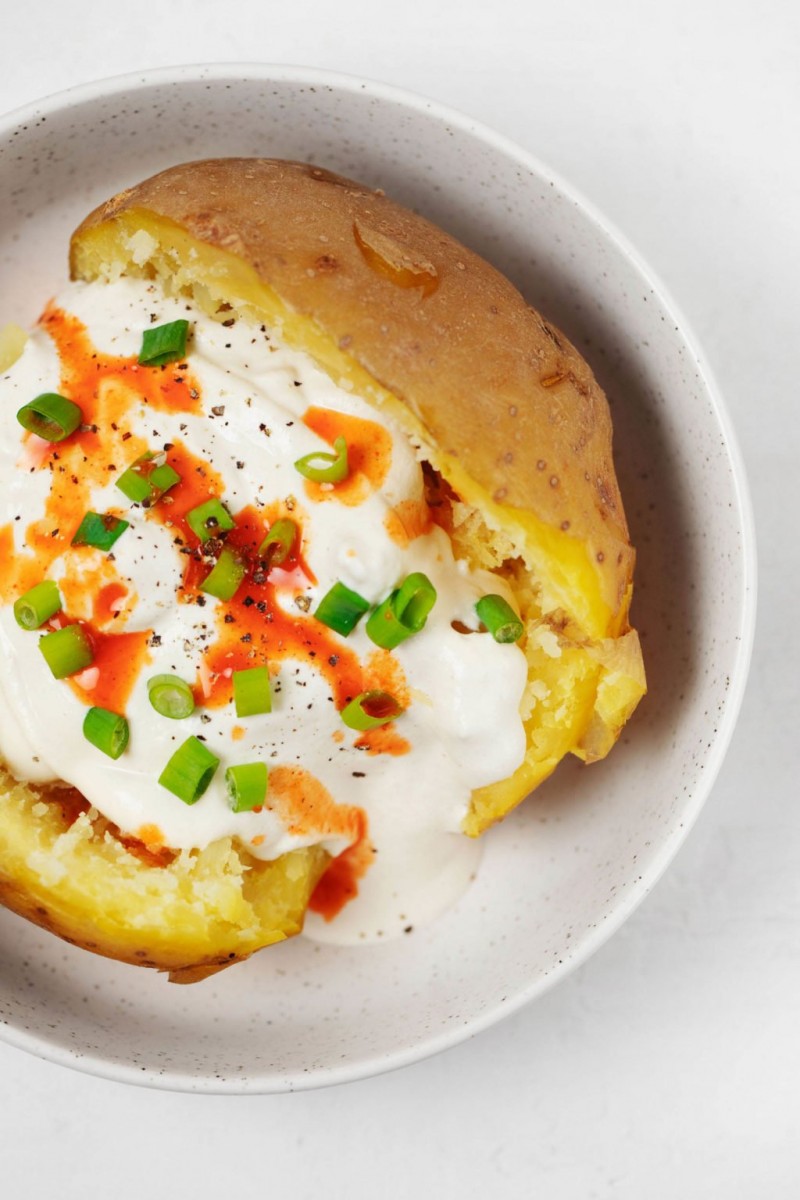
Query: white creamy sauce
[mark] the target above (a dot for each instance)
(462, 724)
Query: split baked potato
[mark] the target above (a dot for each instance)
(517, 437)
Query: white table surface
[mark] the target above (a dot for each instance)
(669, 1065)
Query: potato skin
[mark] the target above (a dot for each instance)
(495, 386)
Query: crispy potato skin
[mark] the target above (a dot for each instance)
(503, 405)
(495, 386)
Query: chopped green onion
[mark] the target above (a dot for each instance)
(326, 468)
(209, 519)
(247, 786)
(170, 696)
(252, 693)
(106, 730)
(277, 545)
(371, 709)
(51, 417)
(190, 770)
(499, 618)
(341, 609)
(99, 530)
(38, 605)
(163, 344)
(225, 576)
(403, 613)
(67, 651)
(147, 479)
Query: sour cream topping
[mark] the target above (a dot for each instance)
(233, 418)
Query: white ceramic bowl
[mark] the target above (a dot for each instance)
(560, 875)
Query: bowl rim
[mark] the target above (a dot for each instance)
(106, 87)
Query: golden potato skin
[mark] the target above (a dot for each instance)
(495, 387)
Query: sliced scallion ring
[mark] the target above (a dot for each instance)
(99, 530)
(277, 545)
(170, 696)
(67, 651)
(499, 618)
(252, 692)
(209, 519)
(51, 417)
(326, 468)
(147, 479)
(190, 770)
(38, 605)
(106, 730)
(163, 344)
(403, 613)
(371, 709)
(225, 576)
(341, 609)
(247, 786)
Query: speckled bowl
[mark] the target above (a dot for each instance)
(564, 872)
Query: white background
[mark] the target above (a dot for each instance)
(669, 1065)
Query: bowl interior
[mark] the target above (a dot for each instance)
(572, 862)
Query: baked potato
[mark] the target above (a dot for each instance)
(516, 436)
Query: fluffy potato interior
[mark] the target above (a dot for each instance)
(585, 669)
(68, 872)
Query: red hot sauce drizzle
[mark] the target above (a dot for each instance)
(306, 807)
(369, 455)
